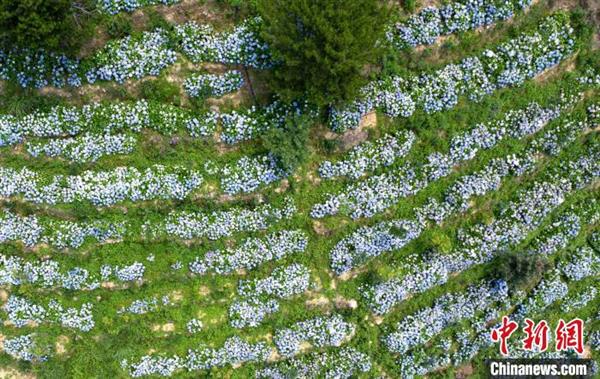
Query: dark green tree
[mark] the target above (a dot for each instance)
(289, 143)
(323, 47)
(46, 24)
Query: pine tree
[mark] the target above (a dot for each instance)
(322, 47)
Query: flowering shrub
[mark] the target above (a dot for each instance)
(104, 119)
(449, 309)
(60, 234)
(579, 300)
(210, 85)
(475, 77)
(425, 27)
(376, 193)
(132, 57)
(483, 242)
(284, 282)
(221, 224)
(102, 188)
(548, 291)
(241, 46)
(250, 313)
(251, 253)
(194, 326)
(22, 348)
(319, 331)
(234, 351)
(15, 228)
(249, 173)
(86, 148)
(21, 312)
(143, 306)
(238, 126)
(345, 363)
(38, 68)
(116, 6)
(369, 156)
(581, 264)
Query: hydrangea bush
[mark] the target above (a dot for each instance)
(99, 120)
(249, 173)
(218, 224)
(509, 64)
(251, 253)
(451, 308)
(101, 188)
(22, 312)
(430, 23)
(318, 331)
(116, 6)
(346, 362)
(369, 156)
(85, 148)
(234, 351)
(211, 85)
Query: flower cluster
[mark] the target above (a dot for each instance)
(132, 57)
(116, 6)
(255, 305)
(548, 291)
(86, 148)
(582, 263)
(318, 331)
(425, 27)
(579, 300)
(250, 313)
(99, 120)
(39, 68)
(243, 125)
(368, 242)
(131, 273)
(194, 326)
(374, 194)
(482, 242)
(210, 85)
(283, 282)
(343, 364)
(58, 233)
(449, 309)
(219, 224)
(249, 173)
(16, 228)
(241, 46)
(22, 312)
(509, 64)
(102, 188)
(234, 351)
(369, 156)
(22, 348)
(143, 306)
(251, 253)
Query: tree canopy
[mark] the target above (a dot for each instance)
(37, 23)
(322, 47)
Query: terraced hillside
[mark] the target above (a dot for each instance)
(146, 229)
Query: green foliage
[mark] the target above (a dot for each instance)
(38, 24)
(520, 269)
(119, 26)
(324, 46)
(160, 90)
(409, 5)
(290, 142)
